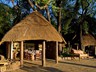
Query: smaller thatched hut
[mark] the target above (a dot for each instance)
(88, 40)
(89, 43)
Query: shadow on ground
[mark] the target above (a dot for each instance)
(38, 68)
(78, 64)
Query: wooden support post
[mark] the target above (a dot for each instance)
(59, 48)
(83, 48)
(77, 47)
(12, 50)
(21, 54)
(95, 50)
(43, 54)
(56, 52)
(9, 51)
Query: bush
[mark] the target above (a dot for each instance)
(67, 55)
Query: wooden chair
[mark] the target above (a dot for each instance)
(38, 54)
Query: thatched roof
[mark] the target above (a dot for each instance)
(88, 40)
(33, 27)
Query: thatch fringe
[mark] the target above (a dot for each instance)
(88, 40)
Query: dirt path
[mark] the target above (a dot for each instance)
(88, 65)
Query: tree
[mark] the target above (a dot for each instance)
(75, 16)
(5, 19)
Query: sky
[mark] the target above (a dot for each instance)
(8, 2)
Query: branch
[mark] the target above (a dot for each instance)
(48, 14)
(43, 7)
(12, 2)
(31, 4)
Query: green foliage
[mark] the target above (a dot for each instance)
(84, 4)
(42, 1)
(66, 25)
(66, 53)
(85, 27)
(5, 19)
(78, 10)
(65, 50)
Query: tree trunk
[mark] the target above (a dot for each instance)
(59, 21)
(48, 14)
(58, 2)
(31, 4)
(81, 38)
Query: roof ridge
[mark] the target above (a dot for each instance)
(41, 16)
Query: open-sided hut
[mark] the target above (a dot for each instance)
(34, 27)
(89, 40)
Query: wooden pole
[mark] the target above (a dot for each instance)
(56, 52)
(11, 49)
(43, 54)
(21, 54)
(95, 50)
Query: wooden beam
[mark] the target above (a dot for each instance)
(56, 52)
(21, 54)
(11, 49)
(43, 54)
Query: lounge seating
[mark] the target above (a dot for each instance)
(3, 63)
(8, 65)
(79, 53)
(2, 58)
(38, 54)
(13, 66)
(2, 68)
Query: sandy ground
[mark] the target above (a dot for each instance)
(84, 65)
